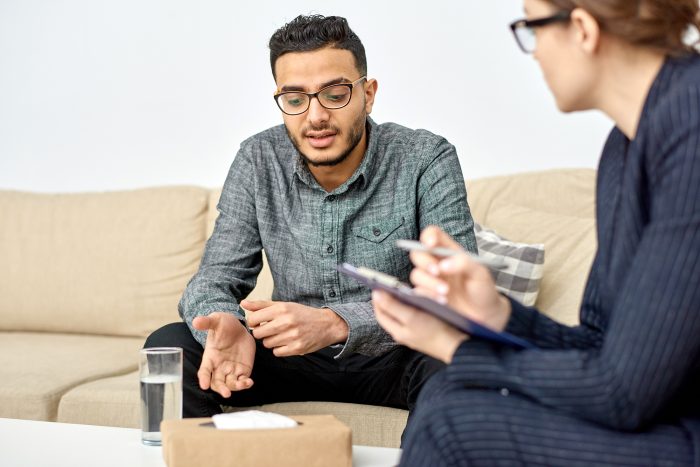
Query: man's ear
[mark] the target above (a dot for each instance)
(586, 29)
(370, 87)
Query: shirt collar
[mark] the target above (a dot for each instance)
(301, 171)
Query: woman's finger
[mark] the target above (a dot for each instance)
(428, 282)
(426, 261)
(463, 265)
(433, 236)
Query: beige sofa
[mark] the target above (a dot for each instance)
(85, 277)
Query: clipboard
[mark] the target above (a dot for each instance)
(405, 294)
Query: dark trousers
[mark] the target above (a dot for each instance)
(458, 426)
(392, 380)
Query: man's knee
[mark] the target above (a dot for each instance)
(170, 335)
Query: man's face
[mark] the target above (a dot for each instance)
(325, 137)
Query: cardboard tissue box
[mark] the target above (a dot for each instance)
(317, 440)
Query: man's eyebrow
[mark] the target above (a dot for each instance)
(294, 88)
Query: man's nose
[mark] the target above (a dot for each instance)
(317, 113)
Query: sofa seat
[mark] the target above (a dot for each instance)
(38, 369)
(117, 399)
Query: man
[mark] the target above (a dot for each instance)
(329, 186)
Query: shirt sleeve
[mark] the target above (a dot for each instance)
(365, 336)
(442, 196)
(232, 257)
(650, 347)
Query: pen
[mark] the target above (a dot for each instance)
(410, 245)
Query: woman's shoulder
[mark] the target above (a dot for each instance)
(679, 86)
(676, 110)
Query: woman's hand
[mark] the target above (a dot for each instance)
(459, 282)
(416, 329)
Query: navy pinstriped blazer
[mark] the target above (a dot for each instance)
(634, 360)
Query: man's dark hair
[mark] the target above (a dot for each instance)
(314, 32)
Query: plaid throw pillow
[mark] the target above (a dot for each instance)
(521, 279)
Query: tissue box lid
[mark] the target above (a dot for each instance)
(319, 440)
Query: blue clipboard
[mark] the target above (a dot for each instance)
(405, 294)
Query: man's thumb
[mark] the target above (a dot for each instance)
(205, 323)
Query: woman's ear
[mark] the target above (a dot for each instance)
(586, 30)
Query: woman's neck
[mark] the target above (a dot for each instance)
(628, 74)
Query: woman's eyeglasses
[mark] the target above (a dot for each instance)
(524, 29)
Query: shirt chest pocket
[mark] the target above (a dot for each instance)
(377, 232)
(374, 246)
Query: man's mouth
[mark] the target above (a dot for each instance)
(321, 139)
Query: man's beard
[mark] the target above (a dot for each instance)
(355, 136)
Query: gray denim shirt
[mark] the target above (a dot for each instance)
(408, 179)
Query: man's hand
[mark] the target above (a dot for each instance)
(228, 354)
(292, 329)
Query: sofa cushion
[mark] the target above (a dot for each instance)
(521, 277)
(115, 402)
(371, 425)
(570, 244)
(112, 401)
(556, 208)
(36, 369)
(100, 263)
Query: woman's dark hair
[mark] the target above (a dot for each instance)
(308, 33)
(660, 24)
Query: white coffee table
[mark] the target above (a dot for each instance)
(26, 443)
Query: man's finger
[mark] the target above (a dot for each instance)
(218, 383)
(238, 379)
(238, 384)
(264, 315)
(266, 329)
(204, 374)
(202, 323)
(255, 305)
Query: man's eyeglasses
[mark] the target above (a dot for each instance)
(524, 29)
(335, 96)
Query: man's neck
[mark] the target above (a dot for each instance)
(331, 177)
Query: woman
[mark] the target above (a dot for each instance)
(623, 387)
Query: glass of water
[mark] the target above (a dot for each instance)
(160, 371)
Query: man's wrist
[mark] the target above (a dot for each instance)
(338, 329)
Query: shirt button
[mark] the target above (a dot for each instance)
(376, 232)
(331, 198)
(505, 392)
(331, 293)
(329, 249)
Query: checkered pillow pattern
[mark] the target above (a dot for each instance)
(525, 264)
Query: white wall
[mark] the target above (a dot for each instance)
(103, 95)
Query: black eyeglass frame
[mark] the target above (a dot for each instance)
(311, 95)
(536, 23)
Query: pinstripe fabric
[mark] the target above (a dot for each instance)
(623, 387)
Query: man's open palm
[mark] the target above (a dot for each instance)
(228, 356)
